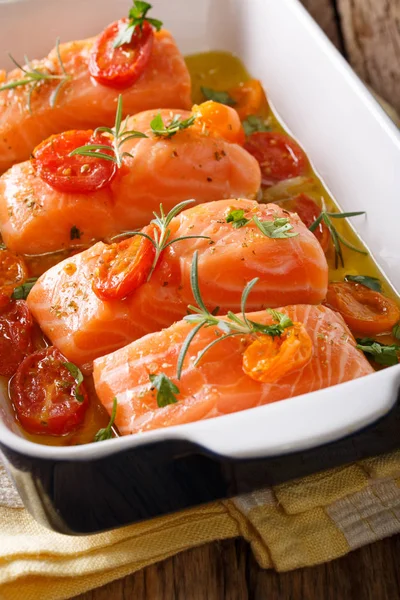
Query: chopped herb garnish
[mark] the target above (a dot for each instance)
(106, 433)
(166, 389)
(382, 354)
(280, 227)
(21, 292)
(33, 77)
(162, 232)
(77, 375)
(75, 233)
(337, 238)
(137, 16)
(396, 331)
(253, 124)
(373, 283)
(237, 218)
(230, 326)
(221, 97)
(160, 130)
(119, 134)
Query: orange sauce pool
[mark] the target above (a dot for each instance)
(219, 71)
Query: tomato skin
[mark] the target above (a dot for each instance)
(13, 271)
(218, 120)
(124, 266)
(121, 67)
(249, 97)
(364, 310)
(43, 394)
(16, 331)
(279, 156)
(308, 211)
(73, 174)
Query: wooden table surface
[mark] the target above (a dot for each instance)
(367, 32)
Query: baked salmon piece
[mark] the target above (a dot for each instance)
(199, 162)
(83, 102)
(84, 326)
(220, 384)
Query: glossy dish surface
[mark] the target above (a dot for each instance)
(68, 307)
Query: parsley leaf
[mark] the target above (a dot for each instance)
(373, 283)
(382, 354)
(160, 130)
(237, 218)
(280, 227)
(137, 16)
(106, 432)
(221, 97)
(396, 331)
(75, 233)
(253, 124)
(77, 375)
(21, 292)
(166, 389)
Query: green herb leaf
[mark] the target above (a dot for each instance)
(137, 16)
(221, 97)
(77, 375)
(75, 233)
(237, 218)
(280, 227)
(396, 331)
(160, 130)
(254, 124)
(382, 354)
(373, 283)
(33, 77)
(21, 292)
(106, 432)
(166, 389)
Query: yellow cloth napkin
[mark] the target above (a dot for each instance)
(296, 524)
(301, 523)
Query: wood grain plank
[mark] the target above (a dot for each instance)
(371, 32)
(324, 13)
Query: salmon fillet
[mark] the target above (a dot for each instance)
(35, 218)
(82, 102)
(83, 327)
(218, 385)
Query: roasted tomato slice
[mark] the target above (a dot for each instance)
(278, 155)
(218, 120)
(124, 266)
(16, 331)
(13, 271)
(364, 310)
(309, 211)
(73, 174)
(268, 359)
(249, 97)
(121, 67)
(46, 396)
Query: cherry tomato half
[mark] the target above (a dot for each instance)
(13, 271)
(218, 120)
(121, 67)
(124, 266)
(309, 211)
(364, 310)
(44, 394)
(278, 155)
(73, 174)
(249, 97)
(16, 331)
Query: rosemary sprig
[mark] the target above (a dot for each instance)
(230, 326)
(120, 135)
(337, 238)
(106, 432)
(166, 389)
(137, 16)
(33, 77)
(159, 129)
(162, 232)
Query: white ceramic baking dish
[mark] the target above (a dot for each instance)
(353, 145)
